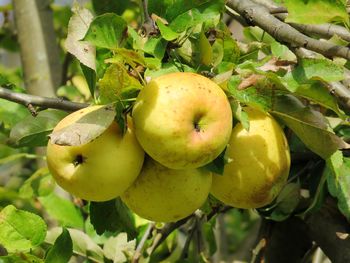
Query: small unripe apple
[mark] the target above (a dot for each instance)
(182, 120)
(164, 195)
(259, 162)
(101, 169)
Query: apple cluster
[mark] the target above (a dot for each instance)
(182, 121)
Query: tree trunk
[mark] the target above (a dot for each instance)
(39, 50)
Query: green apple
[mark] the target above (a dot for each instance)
(182, 120)
(164, 195)
(259, 163)
(101, 169)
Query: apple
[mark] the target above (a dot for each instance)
(165, 195)
(182, 120)
(101, 169)
(259, 167)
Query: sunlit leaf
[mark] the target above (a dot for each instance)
(107, 31)
(312, 69)
(20, 230)
(300, 11)
(166, 32)
(114, 82)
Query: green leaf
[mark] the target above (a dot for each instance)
(282, 52)
(312, 69)
(34, 131)
(62, 249)
(217, 165)
(20, 230)
(205, 50)
(108, 6)
(156, 47)
(261, 96)
(62, 210)
(318, 93)
(11, 113)
(338, 179)
(40, 183)
(203, 12)
(83, 245)
(85, 129)
(107, 31)
(171, 9)
(316, 11)
(166, 32)
(168, 68)
(240, 114)
(90, 76)
(309, 125)
(119, 249)
(20, 258)
(112, 216)
(130, 57)
(285, 203)
(116, 80)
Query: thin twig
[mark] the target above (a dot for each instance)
(166, 231)
(140, 246)
(170, 227)
(44, 102)
(260, 16)
(261, 245)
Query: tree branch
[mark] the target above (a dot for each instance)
(260, 16)
(323, 30)
(26, 100)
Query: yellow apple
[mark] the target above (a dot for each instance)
(101, 169)
(259, 163)
(164, 195)
(182, 120)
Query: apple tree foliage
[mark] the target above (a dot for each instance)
(112, 48)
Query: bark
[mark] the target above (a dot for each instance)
(260, 16)
(43, 102)
(39, 50)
